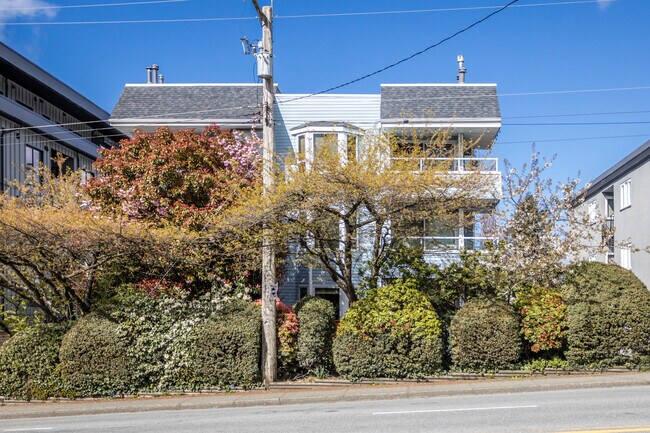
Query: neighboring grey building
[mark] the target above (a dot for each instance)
(621, 195)
(42, 117)
(465, 111)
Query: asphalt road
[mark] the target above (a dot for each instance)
(605, 410)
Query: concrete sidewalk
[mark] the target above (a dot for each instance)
(322, 395)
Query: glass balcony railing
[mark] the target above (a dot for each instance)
(451, 164)
(449, 243)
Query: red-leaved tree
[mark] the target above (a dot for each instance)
(178, 177)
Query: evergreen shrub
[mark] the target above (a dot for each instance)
(484, 335)
(226, 349)
(608, 315)
(94, 359)
(392, 332)
(28, 361)
(317, 322)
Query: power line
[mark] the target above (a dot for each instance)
(458, 9)
(101, 5)
(577, 123)
(405, 59)
(280, 17)
(601, 113)
(601, 137)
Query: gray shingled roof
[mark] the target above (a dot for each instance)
(454, 101)
(229, 101)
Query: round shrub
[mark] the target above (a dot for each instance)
(484, 335)
(608, 315)
(226, 349)
(94, 360)
(317, 321)
(543, 320)
(28, 361)
(391, 332)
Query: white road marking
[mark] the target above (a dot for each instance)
(28, 429)
(464, 409)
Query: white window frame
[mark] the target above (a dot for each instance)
(592, 210)
(626, 196)
(626, 257)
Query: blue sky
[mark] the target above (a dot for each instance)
(583, 45)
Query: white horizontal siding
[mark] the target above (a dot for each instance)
(359, 110)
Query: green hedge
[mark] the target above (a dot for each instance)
(94, 360)
(608, 315)
(484, 335)
(28, 361)
(226, 349)
(391, 332)
(317, 321)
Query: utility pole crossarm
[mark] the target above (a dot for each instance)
(263, 19)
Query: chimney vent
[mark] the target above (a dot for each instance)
(161, 79)
(462, 70)
(152, 75)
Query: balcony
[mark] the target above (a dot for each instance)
(449, 243)
(482, 165)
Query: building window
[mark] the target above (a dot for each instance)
(325, 145)
(626, 257)
(33, 157)
(592, 210)
(60, 163)
(626, 198)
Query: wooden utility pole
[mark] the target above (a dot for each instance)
(269, 284)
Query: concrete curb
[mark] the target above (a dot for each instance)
(331, 395)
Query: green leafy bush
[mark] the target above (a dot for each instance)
(543, 322)
(317, 321)
(608, 315)
(159, 330)
(392, 332)
(94, 359)
(541, 364)
(28, 361)
(226, 349)
(484, 335)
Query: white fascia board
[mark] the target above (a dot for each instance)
(325, 129)
(193, 85)
(440, 85)
(180, 122)
(455, 124)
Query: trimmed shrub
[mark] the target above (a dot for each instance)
(226, 349)
(28, 361)
(543, 320)
(392, 332)
(484, 335)
(158, 331)
(94, 360)
(317, 322)
(608, 315)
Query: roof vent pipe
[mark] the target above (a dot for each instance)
(161, 79)
(150, 78)
(462, 70)
(155, 68)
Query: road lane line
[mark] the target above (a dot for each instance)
(463, 409)
(28, 429)
(615, 430)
